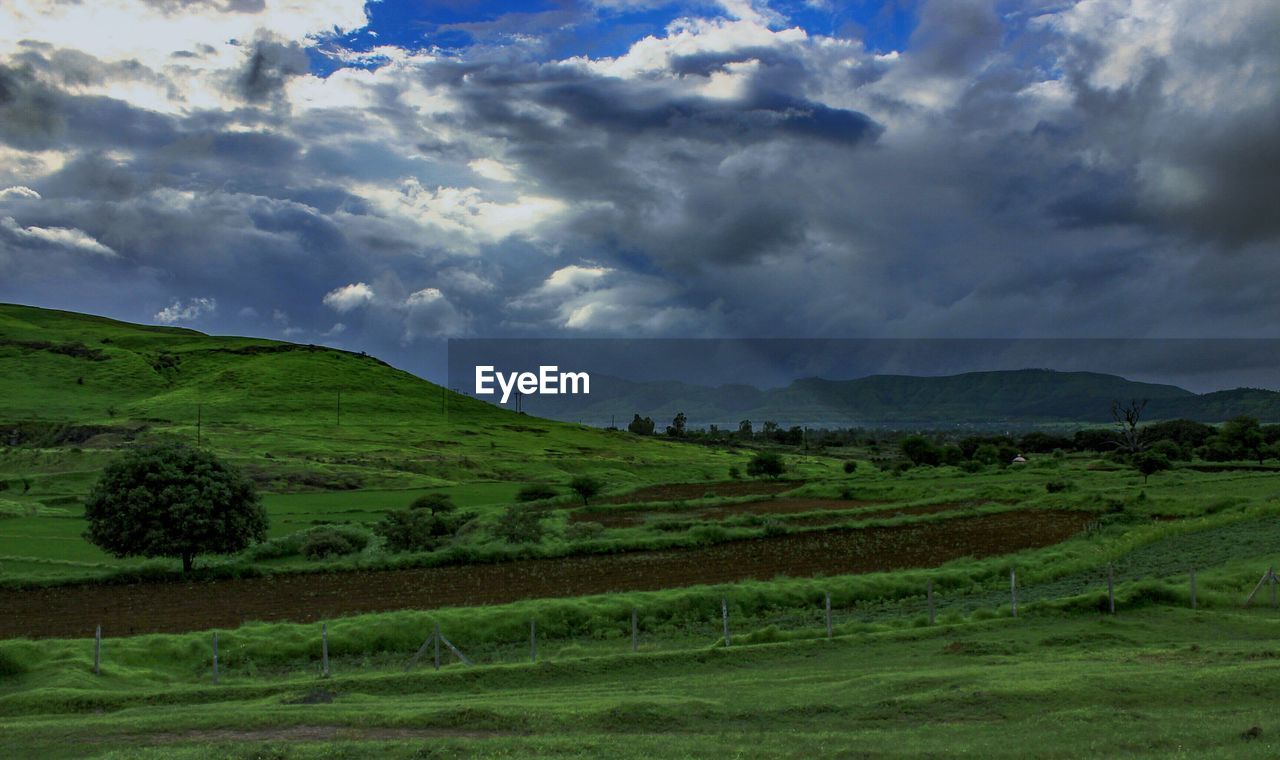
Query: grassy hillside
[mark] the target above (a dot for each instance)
(77, 388)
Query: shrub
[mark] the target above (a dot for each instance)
(408, 530)
(436, 503)
(322, 543)
(10, 666)
(850, 467)
(734, 473)
(519, 525)
(1056, 486)
(536, 492)
(585, 486)
(708, 534)
(767, 464)
(971, 466)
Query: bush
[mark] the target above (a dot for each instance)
(10, 666)
(536, 492)
(583, 531)
(971, 466)
(409, 530)
(850, 467)
(1056, 486)
(323, 543)
(585, 486)
(767, 464)
(519, 525)
(436, 503)
(734, 473)
(708, 534)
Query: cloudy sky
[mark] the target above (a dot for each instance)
(379, 176)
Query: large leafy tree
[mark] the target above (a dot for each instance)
(173, 501)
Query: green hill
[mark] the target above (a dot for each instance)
(299, 416)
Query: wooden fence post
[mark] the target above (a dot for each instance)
(724, 613)
(929, 593)
(1013, 590)
(97, 651)
(635, 630)
(437, 640)
(1274, 580)
(533, 640)
(1193, 587)
(324, 650)
(1111, 589)
(829, 632)
(215, 656)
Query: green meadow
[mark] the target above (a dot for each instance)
(1061, 679)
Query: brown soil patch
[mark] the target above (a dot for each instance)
(632, 518)
(686, 491)
(73, 611)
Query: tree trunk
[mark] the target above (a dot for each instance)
(187, 559)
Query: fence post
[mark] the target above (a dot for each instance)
(215, 656)
(1193, 587)
(97, 651)
(1111, 589)
(635, 630)
(929, 593)
(1013, 590)
(437, 639)
(1273, 586)
(324, 650)
(828, 615)
(533, 640)
(724, 613)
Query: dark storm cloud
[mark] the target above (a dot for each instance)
(268, 66)
(1016, 170)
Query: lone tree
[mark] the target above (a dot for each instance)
(676, 428)
(1127, 416)
(641, 426)
(766, 464)
(585, 486)
(173, 501)
(1148, 463)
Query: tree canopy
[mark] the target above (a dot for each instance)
(173, 501)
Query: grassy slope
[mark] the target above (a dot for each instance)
(1152, 682)
(271, 407)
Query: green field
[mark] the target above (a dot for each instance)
(1063, 679)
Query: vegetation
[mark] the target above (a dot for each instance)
(767, 464)
(173, 501)
(519, 525)
(586, 487)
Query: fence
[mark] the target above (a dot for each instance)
(920, 610)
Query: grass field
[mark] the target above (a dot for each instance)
(671, 539)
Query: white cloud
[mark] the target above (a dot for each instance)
(185, 312)
(348, 297)
(464, 214)
(429, 314)
(19, 191)
(491, 169)
(64, 237)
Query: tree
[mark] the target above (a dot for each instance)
(766, 464)
(641, 426)
(585, 486)
(850, 466)
(1149, 463)
(676, 428)
(744, 428)
(535, 492)
(1127, 417)
(1243, 436)
(435, 503)
(173, 501)
(519, 525)
(920, 450)
(429, 520)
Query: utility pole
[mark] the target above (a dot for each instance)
(198, 421)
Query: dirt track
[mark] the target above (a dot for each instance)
(73, 611)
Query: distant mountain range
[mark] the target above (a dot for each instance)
(977, 399)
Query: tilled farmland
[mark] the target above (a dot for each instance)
(69, 611)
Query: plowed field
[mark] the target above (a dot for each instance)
(72, 611)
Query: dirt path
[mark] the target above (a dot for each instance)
(73, 611)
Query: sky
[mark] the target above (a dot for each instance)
(384, 176)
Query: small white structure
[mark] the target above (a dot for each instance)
(1019, 460)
